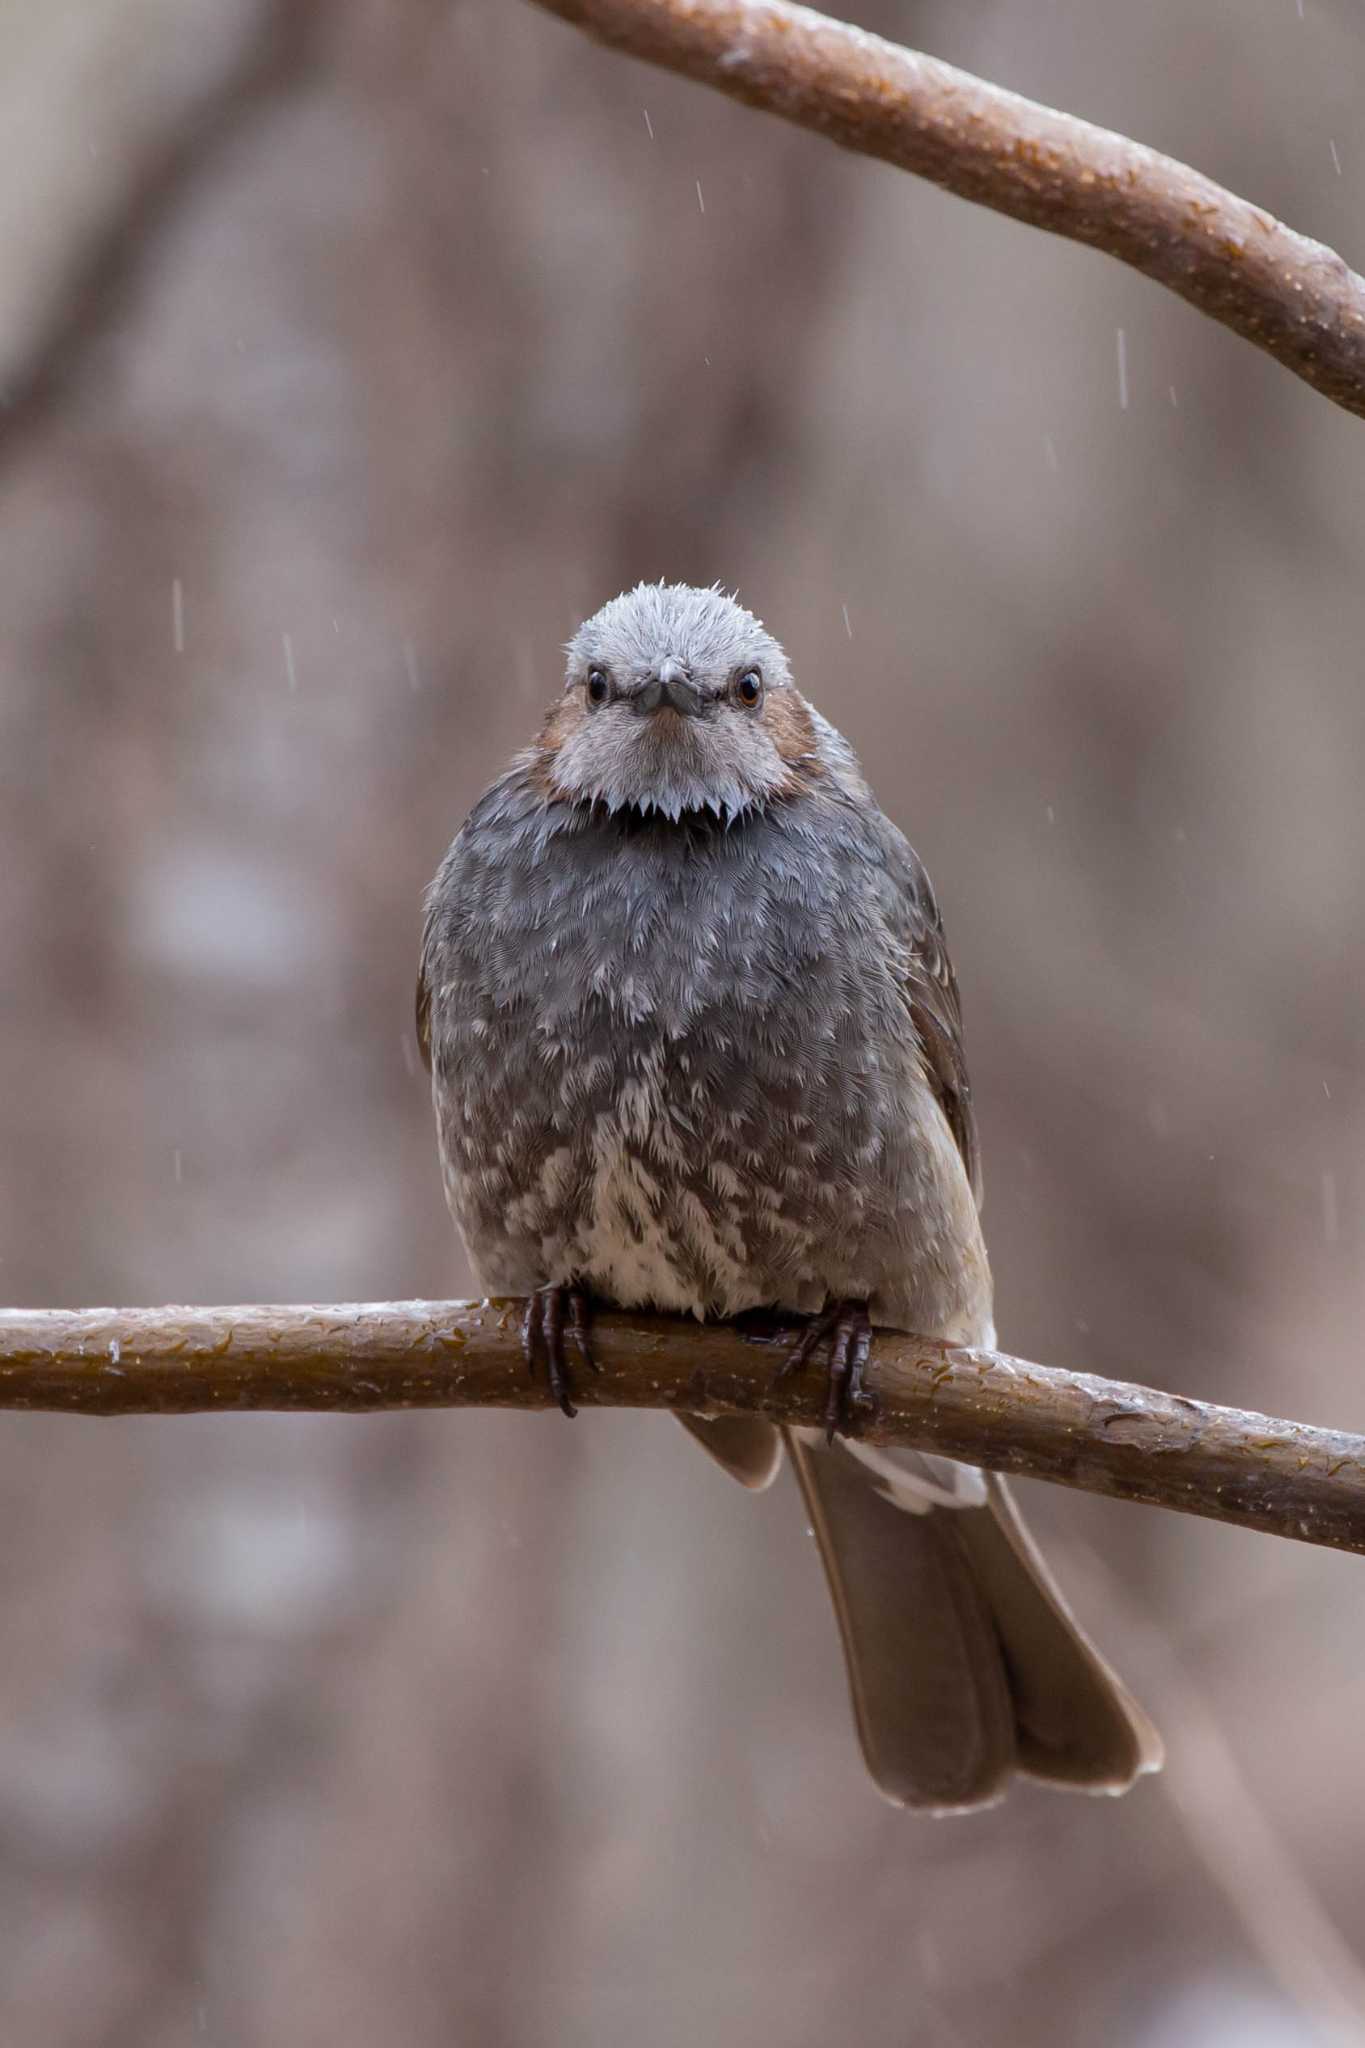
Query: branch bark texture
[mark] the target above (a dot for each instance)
(1129, 1442)
(1292, 297)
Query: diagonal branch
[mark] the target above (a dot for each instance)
(1292, 297)
(1129, 1442)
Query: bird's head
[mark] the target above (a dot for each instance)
(676, 700)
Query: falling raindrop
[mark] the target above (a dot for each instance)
(847, 627)
(1123, 370)
(1336, 157)
(648, 123)
(178, 615)
(700, 201)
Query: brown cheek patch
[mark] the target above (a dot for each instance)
(562, 721)
(793, 734)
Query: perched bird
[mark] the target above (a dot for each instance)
(695, 1045)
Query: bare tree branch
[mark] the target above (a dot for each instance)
(1129, 1442)
(1292, 297)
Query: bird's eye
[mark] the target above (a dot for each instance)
(599, 686)
(749, 687)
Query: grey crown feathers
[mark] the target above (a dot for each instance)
(719, 759)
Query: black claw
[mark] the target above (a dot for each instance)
(578, 1327)
(815, 1331)
(530, 1330)
(552, 1329)
(838, 1379)
(542, 1337)
(858, 1399)
(845, 1328)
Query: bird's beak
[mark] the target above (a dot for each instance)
(670, 687)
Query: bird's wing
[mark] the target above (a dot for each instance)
(931, 989)
(424, 1016)
(426, 966)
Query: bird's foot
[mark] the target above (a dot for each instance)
(846, 1328)
(552, 1313)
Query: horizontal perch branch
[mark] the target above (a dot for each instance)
(1129, 1442)
(1292, 297)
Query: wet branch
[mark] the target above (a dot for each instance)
(1129, 1442)
(1292, 297)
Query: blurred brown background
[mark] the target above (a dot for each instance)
(349, 355)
